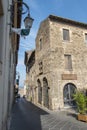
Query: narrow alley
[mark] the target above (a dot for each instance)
(27, 116)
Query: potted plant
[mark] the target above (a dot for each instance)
(81, 102)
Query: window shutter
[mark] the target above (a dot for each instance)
(68, 62)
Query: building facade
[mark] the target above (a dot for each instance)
(30, 74)
(60, 65)
(9, 44)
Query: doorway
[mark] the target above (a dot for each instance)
(68, 91)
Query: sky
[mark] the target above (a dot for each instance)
(40, 10)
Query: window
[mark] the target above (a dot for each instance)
(41, 67)
(66, 34)
(40, 43)
(85, 37)
(68, 62)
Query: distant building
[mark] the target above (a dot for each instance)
(58, 66)
(21, 91)
(30, 73)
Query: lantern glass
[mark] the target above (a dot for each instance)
(28, 21)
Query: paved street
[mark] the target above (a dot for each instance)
(26, 116)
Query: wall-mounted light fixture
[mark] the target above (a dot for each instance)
(28, 21)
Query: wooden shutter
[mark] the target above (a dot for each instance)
(68, 62)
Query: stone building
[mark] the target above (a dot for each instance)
(60, 63)
(30, 74)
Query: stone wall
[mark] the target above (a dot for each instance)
(53, 63)
(77, 48)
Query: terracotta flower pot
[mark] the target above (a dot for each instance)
(82, 117)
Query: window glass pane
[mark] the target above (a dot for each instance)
(68, 62)
(69, 90)
(66, 34)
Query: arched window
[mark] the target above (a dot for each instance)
(39, 91)
(45, 82)
(45, 93)
(68, 91)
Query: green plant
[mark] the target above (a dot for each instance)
(81, 101)
(31, 99)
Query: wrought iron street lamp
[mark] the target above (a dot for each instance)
(28, 21)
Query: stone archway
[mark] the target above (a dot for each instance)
(68, 91)
(39, 91)
(45, 93)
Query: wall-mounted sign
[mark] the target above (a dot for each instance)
(69, 76)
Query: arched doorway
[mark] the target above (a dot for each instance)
(39, 91)
(45, 93)
(68, 91)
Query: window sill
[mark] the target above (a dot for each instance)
(66, 41)
(69, 70)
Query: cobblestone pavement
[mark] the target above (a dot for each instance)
(26, 116)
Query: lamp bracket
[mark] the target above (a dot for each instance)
(23, 4)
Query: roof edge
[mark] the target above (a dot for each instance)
(57, 18)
